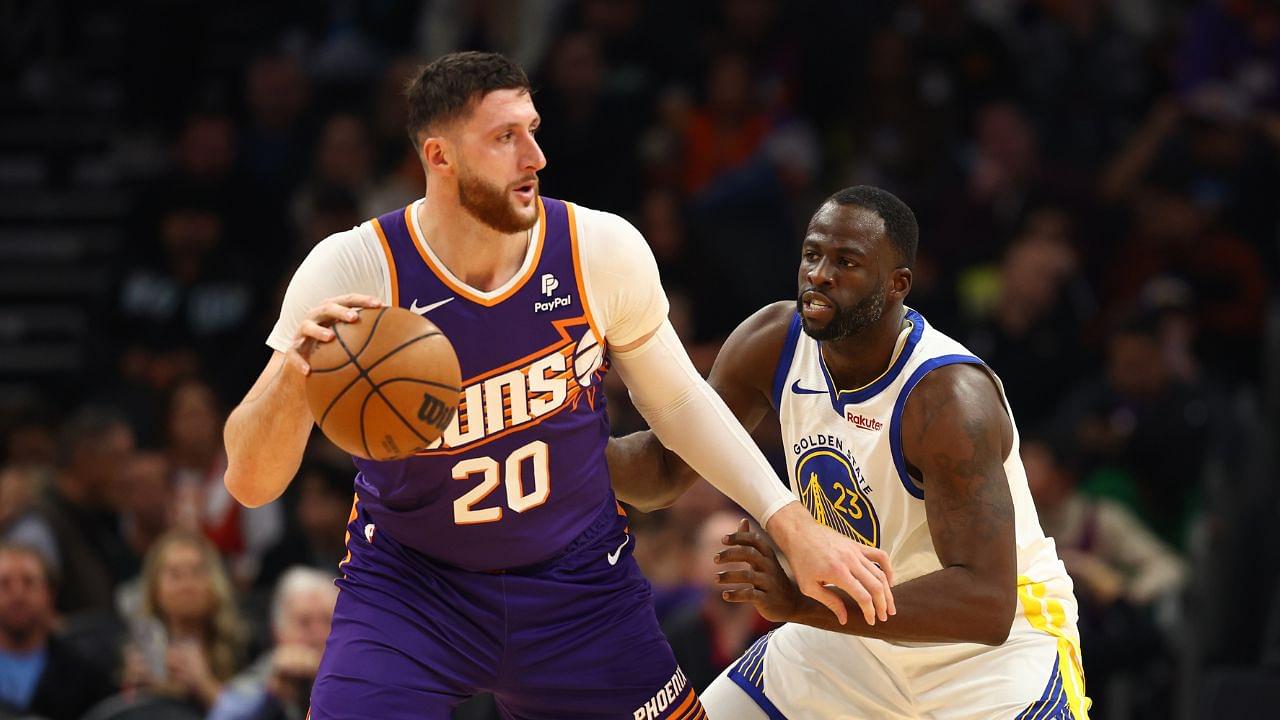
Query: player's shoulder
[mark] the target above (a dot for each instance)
(361, 237)
(954, 400)
(612, 247)
(360, 241)
(603, 227)
(754, 347)
(767, 326)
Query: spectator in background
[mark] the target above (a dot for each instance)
(39, 674)
(243, 535)
(1110, 553)
(1143, 428)
(1121, 570)
(725, 132)
(1081, 69)
(1005, 176)
(187, 634)
(400, 180)
(343, 158)
(146, 500)
(190, 304)
(277, 94)
(30, 438)
(1031, 315)
(21, 487)
(75, 526)
(277, 686)
(581, 124)
(1199, 183)
(1232, 50)
(322, 508)
(892, 142)
(1175, 236)
(709, 633)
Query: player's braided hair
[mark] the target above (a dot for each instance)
(445, 89)
(899, 222)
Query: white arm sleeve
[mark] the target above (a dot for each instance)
(690, 418)
(620, 277)
(347, 262)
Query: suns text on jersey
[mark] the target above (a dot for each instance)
(511, 399)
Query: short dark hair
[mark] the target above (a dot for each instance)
(89, 424)
(444, 89)
(51, 577)
(899, 222)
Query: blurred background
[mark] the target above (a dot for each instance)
(1098, 189)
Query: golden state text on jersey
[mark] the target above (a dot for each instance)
(830, 485)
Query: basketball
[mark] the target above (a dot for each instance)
(386, 386)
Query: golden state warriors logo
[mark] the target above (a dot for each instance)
(828, 487)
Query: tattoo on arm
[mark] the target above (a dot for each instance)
(976, 507)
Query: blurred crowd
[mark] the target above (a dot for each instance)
(1096, 185)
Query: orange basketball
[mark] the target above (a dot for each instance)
(386, 386)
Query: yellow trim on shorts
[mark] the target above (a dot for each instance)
(1048, 616)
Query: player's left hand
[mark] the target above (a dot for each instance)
(820, 556)
(764, 583)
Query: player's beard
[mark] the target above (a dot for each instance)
(847, 322)
(491, 205)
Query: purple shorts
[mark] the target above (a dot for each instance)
(573, 637)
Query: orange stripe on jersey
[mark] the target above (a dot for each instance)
(684, 711)
(391, 263)
(463, 290)
(577, 271)
(346, 537)
(565, 346)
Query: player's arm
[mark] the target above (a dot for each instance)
(691, 419)
(955, 434)
(647, 475)
(266, 434)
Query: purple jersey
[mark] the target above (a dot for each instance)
(520, 472)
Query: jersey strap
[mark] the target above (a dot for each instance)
(895, 420)
(785, 359)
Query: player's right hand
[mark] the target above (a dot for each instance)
(820, 556)
(317, 326)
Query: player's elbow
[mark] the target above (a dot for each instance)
(664, 498)
(997, 621)
(653, 496)
(239, 483)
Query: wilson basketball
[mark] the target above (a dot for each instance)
(386, 386)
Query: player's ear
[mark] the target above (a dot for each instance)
(437, 155)
(900, 283)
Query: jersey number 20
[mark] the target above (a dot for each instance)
(493, 475)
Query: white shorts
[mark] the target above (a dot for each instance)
(802, 673)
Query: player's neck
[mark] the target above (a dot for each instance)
(857, 361)
(475, 253)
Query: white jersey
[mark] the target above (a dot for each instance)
(845, 463)
(844, 453)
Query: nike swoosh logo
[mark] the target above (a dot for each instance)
(795, 388)
(413, 307)
(613, 556)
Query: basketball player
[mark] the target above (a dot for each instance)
(899, 437)
(497, 558)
